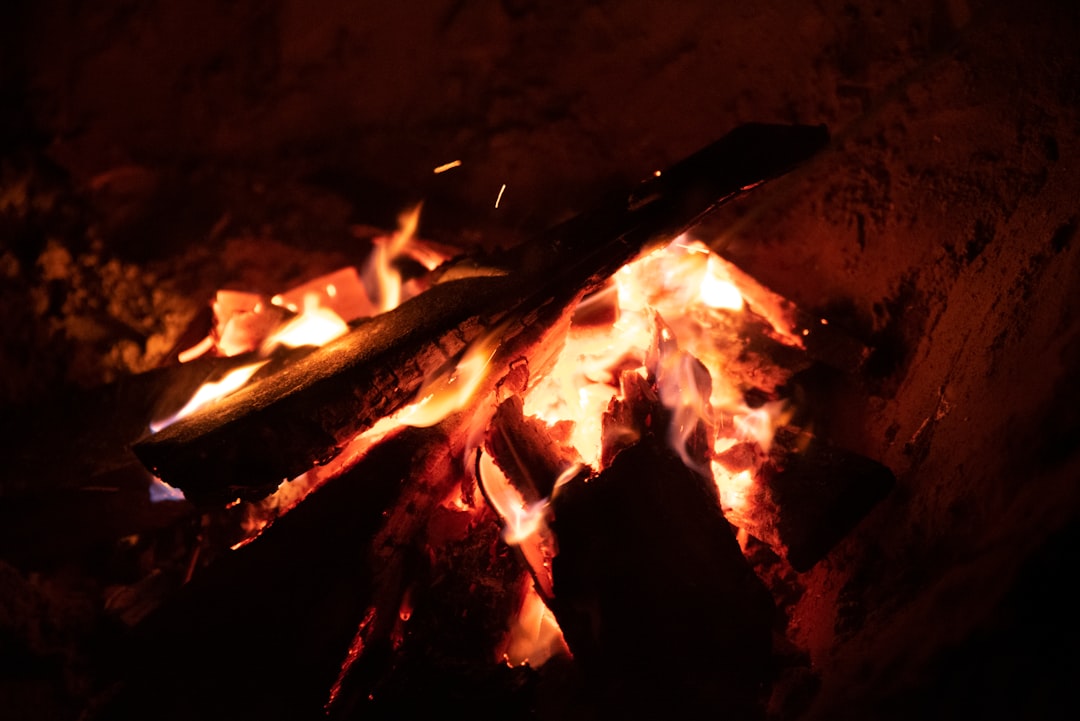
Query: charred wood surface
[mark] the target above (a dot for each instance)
(280, 426)
(808, 494)
(527, 450)
(261, 633)
(820, 492)
(653, 594)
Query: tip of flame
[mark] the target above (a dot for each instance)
(160, 491)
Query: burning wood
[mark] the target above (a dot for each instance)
(620, 521)
(279, 426)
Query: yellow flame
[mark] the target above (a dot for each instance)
(522, 519)
(211, 391)
(717, 290)
(316, 325)
(380, 271)
(534, 635)
(450, 390)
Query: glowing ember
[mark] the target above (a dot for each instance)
(448, 166)
(342, 292)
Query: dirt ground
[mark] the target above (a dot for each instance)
(154, 152)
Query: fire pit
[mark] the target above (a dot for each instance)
(447, 565)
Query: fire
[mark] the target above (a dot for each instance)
(450, 390)
(522, 519)
(322, 309)
(211, 391)
(717, 289)
(673, 317)
(534, 635)
(317, 326)
(381, 278)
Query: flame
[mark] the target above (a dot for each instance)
(677, 315)
(717, 289)
(317, 326)
(534, 635)
(450, 390)
(211, 391)
(384, 281)
(522, 519)
(341, 291)
(161, 491)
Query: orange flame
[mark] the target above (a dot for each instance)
(534, 635)
(316, 326)
(384, 281)
(211, 391)
(450, 390)
(677, 319)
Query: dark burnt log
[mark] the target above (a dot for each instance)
(530, 454)
(820, 493)
(261, 633)
(94, 492)
(654, 597)
(464, 586)
(280, 426)
(808, 494)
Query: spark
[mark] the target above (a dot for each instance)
(448, 166)
(501, 191)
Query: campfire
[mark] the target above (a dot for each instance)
(592, 427)
(389, 365)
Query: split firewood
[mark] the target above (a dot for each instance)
(528, 451)
(279, 426)
(653, 595)
(808, 494)
(280, 613)
(651, 589)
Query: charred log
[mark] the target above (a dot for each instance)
(808, 494)
(527, 450)
(280, 426)
(653, 594)
(278, 614)
(820, 491)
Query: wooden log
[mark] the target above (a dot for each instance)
(651, 589)
(654, 596)
(807, 495)
(526, 450)
(261, 633)
(278, 427)
(820, 493)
